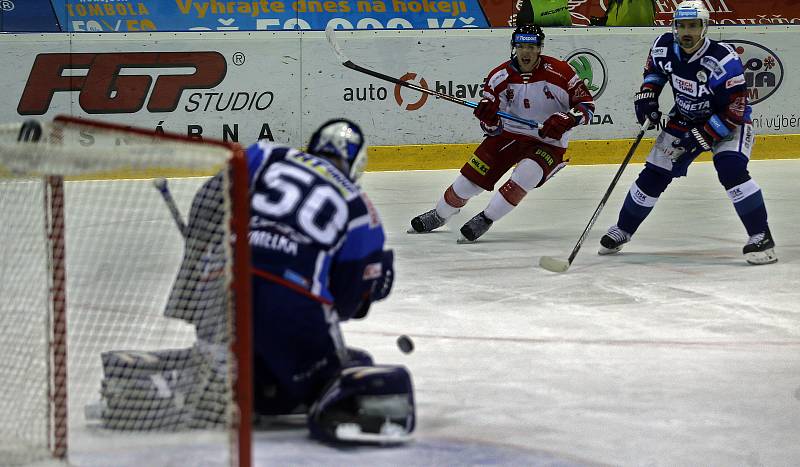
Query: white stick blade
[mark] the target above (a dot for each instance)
(331, 36)
(553, 264)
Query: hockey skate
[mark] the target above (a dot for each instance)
(613, 240)
(760, 249)
(474, 228)
(426, 222)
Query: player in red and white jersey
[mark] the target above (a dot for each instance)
(532, 86)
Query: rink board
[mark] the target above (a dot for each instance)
(282, 85)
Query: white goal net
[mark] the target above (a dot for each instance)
(117, 333)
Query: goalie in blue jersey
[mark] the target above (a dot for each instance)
(711, 113)
(318, 258)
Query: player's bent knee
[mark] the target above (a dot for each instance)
(365, 405)
(731, 169)
(465, 188)
(528, 174)
(653, 180)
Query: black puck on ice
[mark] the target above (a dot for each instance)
(405, 344)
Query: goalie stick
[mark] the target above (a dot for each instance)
(331, 35)
(166, 195)
(561, 265)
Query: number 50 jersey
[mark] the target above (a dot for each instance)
(312, 230)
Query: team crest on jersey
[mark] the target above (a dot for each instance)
(713, 66)
(659, 52)
(702, 77)
(509, 94)
(684, 85)
(548, 94)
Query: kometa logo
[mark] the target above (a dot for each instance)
(104, 90)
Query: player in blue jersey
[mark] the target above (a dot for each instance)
(318, 258)
(710, 114)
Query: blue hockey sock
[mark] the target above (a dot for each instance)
(749, 205)
(742, 191)
(642, 198)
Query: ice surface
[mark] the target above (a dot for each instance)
(674, 352)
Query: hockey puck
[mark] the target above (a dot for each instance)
(405, 344)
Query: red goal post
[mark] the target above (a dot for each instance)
(89, 248)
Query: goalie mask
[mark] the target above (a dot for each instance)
(687, 11)
(343, 142)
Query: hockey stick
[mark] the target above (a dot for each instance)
(561, 265)
(166, 195)
(331, 35)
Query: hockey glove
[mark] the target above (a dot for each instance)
(693, 142)
(646, 105)
(486, 111)
(383, 284)
(556, 125)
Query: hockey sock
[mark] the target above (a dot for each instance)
(506, 199)
(525, 177)
(749, 205)
(456, 196)
(744, 192)
(642, 198)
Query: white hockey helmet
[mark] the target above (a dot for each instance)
(691, 9)
(343, 142)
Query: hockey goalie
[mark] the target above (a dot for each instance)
(318, 258)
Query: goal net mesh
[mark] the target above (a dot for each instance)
(116, 331)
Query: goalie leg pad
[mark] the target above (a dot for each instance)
(162, 390)
(365, 405)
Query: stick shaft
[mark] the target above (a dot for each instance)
(349, 64)
(166, 195)
(609, 190)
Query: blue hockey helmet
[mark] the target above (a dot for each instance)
(342, 141)
(691, 10)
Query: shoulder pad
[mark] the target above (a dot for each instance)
(664, 40)
(662, 45)
(721, 51)
(713, 66)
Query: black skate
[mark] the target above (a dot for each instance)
(613, 240)
(426, 222)
(475, 227)
(760, 249)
